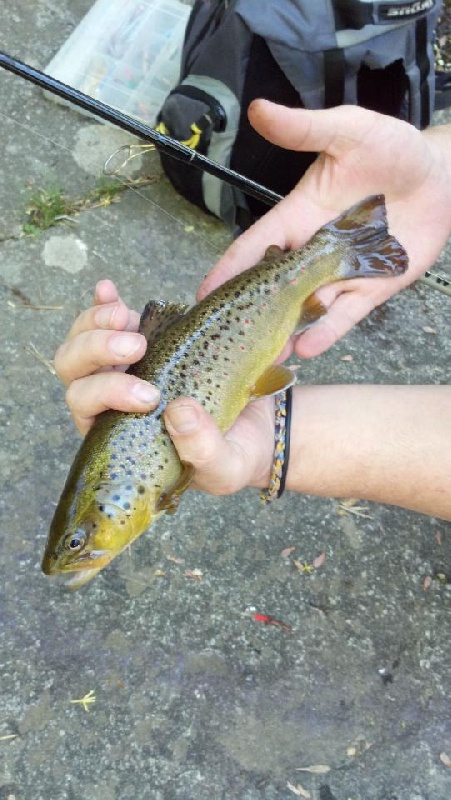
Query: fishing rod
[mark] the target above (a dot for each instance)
(172, 147)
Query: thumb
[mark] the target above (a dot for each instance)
(199, 442)
(334, 131)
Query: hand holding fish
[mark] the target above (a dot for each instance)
(361, 153)
(131, 468)
(103, 340)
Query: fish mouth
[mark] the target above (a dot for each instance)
(76, 578)
(89, 561)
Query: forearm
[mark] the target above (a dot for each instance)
(390, 444)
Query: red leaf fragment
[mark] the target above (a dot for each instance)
(268, 619)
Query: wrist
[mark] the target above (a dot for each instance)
(263, 412)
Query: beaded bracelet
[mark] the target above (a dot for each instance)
(279, 471)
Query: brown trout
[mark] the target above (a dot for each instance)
(221, 352)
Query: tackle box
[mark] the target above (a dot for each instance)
(125, 53)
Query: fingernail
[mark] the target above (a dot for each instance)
(125, 344)
(146, 394)
(183, 419)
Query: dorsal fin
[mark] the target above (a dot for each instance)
(158, 315)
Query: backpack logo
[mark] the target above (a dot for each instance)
(388, 13)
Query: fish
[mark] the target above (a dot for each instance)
(221, 351)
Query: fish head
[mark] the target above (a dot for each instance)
(88, 532)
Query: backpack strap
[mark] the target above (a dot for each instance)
(424, 68)
(353, 15)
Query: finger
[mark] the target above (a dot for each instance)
(219, 463)
(95, 349)
(105, 292)
(112, 316)
(88, 397)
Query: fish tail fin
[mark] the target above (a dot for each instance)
(371, 250)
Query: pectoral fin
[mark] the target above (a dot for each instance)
(273, 380)
(157, 316)
(312, 309)
(273, 253)
(169, 501)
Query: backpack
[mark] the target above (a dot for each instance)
(300, 53)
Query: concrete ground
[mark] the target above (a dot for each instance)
(193, 698)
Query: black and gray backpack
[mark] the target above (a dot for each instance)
(300, 53)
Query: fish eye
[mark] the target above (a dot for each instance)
(75, 542)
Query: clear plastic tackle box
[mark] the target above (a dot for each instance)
(125, 53)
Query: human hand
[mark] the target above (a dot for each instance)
(102, 342)
(361, 153)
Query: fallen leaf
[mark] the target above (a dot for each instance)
(347, 358)
(351, 751)
(439, 537)
(175, 559)
(159, 573)
(349, 506)
(8, 736)
(303, 567)
(446, 760)
(194, 574)
(317, 769)
(319, 560)
(299, 790)
(287, 551)
(268, 619)
(427, 581)
(427, 329)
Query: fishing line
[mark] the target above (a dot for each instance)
(113, 175)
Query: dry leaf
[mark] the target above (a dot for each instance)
(446, 760)
(159, 573)
(194, 574)
(175, 559)
(299, 790)
(317, 769)
(319, 560)
(287, 551)
(427, 329)
(303, 567)
(426, 583)
(439, 537)
(347, 358)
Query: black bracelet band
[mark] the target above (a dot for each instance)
(281, 448)
(283, 477)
